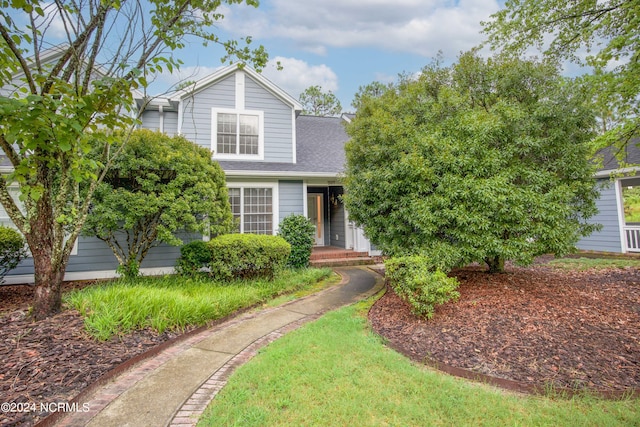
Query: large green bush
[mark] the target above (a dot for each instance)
(244, 256)
(193, 256)
(12, 250)
(416, 282)
(298, 231)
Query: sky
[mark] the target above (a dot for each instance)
(341, 45)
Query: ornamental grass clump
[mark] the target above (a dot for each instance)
(423, 287)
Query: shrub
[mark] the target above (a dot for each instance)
(413, 279)
(245, 256)
(12, 250)
(193, 256)
(298, 231)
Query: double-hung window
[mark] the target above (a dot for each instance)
(237, 134)
(253, 209)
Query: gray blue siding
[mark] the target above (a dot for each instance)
(94, 255)
(150, 120)
(291, 201)
(196, 110)
(278, 123)
(170, 122)
(607, 239)
(337, 218)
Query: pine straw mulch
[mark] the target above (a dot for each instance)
(539, 326)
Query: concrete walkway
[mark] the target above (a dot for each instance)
(174, 387)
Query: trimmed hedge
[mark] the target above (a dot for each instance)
(247, 256)
(193, 256)
(415, 281)
(298, 231)
(12, 250)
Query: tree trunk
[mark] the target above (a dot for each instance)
(496, 264)
(48, 278)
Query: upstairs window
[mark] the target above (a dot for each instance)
(237, 134)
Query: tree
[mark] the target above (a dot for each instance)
(158, 186)
(372, 90)
(318, 103)
(57, 103)
(481, 161)
(602, 34)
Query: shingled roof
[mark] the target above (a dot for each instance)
(630, 156)
(319, 151)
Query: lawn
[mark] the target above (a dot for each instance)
(581, 264)
(336, 371)
(176, 303)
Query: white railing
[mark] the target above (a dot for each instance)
(632, 235)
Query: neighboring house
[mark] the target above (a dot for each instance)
(620, 233)
(277, 162)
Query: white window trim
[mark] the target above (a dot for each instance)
(214, 134)
(7, 222)
(275, 200)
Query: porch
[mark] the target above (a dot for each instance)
(332, 256)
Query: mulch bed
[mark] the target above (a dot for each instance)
(535, 325)
(51, 361)
(539, 326)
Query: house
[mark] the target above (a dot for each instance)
(620, 227)
(277, 162)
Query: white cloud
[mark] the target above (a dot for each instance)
(51, 22)
(297, 75)
(412, 26)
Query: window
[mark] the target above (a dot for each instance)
(237, 134)
(253, 209)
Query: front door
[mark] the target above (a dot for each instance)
(315, 214)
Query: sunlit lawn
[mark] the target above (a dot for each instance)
(336, 372)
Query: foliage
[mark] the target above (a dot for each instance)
(12, 250)
(485, 160)
(246, 256)
(316, 102)
(602, 35)
(158, 186)
(298, 231)
(57, 102)
(175, 303)
(372, 90)
(631, 197)
(415, 281)
(337, 369)
(193, 257)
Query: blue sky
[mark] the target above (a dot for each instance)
(343, 44)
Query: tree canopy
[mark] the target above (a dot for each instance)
(486, 160)
(317, 102)
(371, 90)
(600, 34)
(67, 73)
(157, 187)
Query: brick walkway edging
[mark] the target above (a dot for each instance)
(101, 398)
(191, 411)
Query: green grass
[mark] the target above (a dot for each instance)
(175, 302)
(336, 372)
(582, 264)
